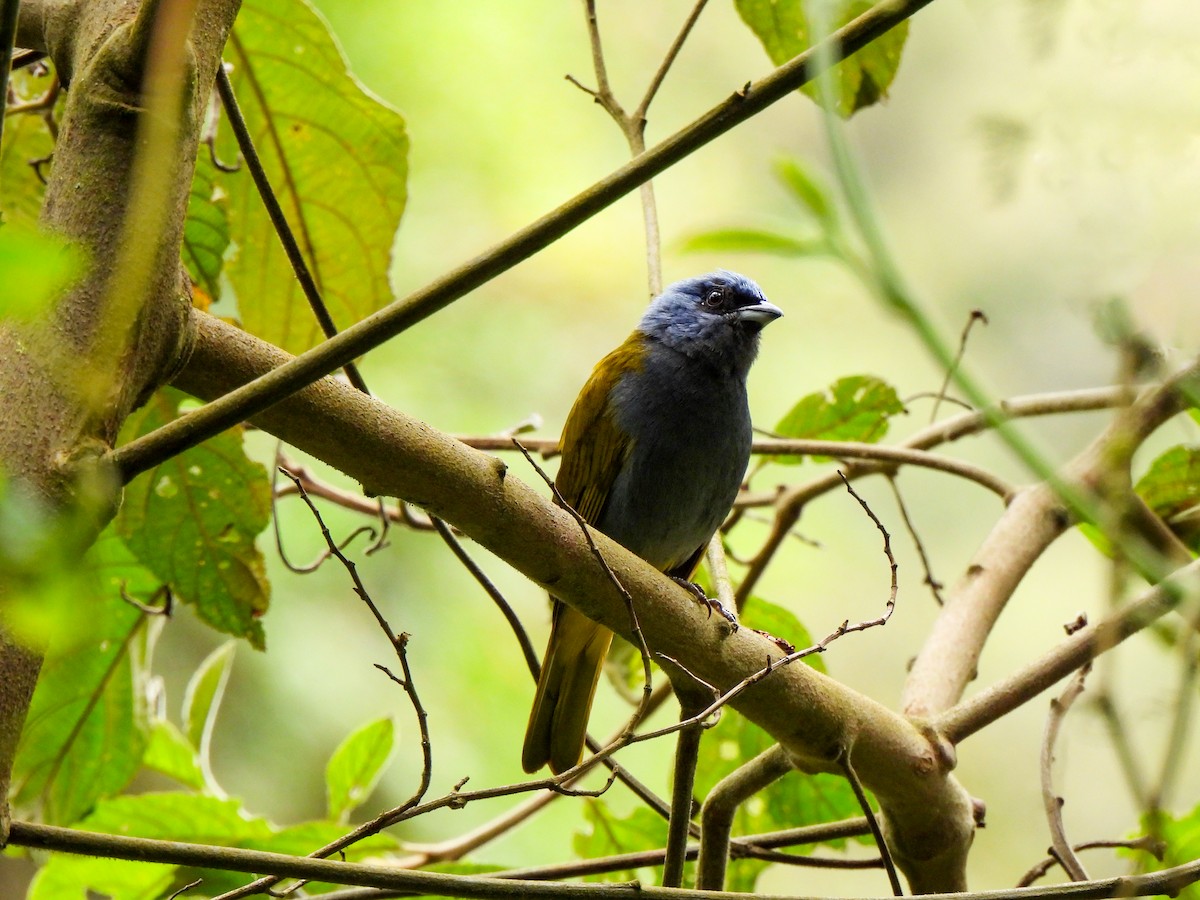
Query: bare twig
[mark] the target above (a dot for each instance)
(790, 504)
(399, 642)
(935, 586)
(1060, 847)
(977, 315)
(861, 795)
(514, 623)
(1185, 700)
(1151, 845)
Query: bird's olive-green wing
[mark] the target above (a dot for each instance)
(593, 448)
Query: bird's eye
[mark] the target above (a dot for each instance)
(714, 297)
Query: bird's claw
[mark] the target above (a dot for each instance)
(708, 602)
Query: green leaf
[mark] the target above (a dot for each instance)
(192, 521)
(163, 816)
(776, 621)
(808, 190)
(608, 834)
(1182, 839)
(337, 159)
(35, 269)
(1171, 488)
(201, 701)
(86, 729)
(171, 754)
(751, 240)
(206, 229)
(355, 766)
(855, 408)
(26, 138)
(785, 29)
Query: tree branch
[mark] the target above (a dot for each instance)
(361, 337)
(810, 714)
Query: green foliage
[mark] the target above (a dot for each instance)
(180, 817)
(792, 801)
(337, 158)
(356, 766)
(35, 268)
(755, 240)
(87, 725)
(608, 834)
(776, 621)
(786, 29)
(170, 753)
(1171, 488)
(855, 408)
(206, 229)
(201, 701)
(192, 521)
(1181, 837)
(26, 139)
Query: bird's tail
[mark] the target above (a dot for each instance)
(570, 671)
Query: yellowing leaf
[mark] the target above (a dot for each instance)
(336, 157)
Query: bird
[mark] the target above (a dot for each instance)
(653, 451)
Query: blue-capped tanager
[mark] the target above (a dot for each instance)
(653, 453)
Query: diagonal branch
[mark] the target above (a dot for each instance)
(272, 387)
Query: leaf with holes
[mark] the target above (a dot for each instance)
(192, 521)
(785, 29)
(855, 408)
(336, 157)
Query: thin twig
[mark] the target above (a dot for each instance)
(861, 796)
(1060, 847)
(639, 114)
(399, 642)
(935, 586)
(300, 482)
(1185, 700)
(887, 551)
(789, 505)
(635, 627)
(1152, 845)
(506, 610)
(977, 315)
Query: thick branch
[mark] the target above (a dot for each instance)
(69, 380)
(948, 660)
(811, 715)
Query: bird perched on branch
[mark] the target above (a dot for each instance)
(653, 453)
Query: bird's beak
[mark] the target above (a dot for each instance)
(760, 314)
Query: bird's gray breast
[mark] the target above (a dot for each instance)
(690, 431)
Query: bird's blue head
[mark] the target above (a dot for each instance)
(716, 318)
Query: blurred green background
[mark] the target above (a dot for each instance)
(1034, 159)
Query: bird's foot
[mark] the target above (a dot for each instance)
(711, 603)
